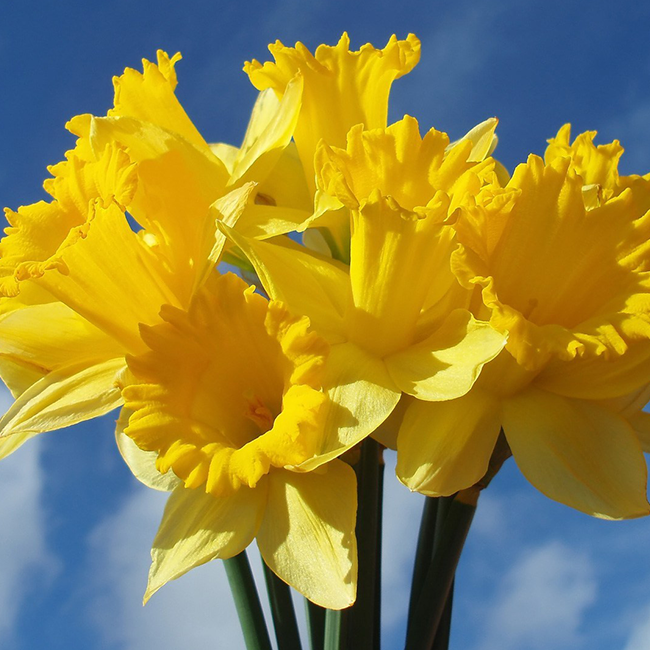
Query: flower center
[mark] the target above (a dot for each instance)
(258, 412)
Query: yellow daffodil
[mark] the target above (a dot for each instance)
(560, 257)
(76, 264)
(340, 88)
(396, 319)
(228, 399)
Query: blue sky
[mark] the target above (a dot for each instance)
(75, 528)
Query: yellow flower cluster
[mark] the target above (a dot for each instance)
(433, 302)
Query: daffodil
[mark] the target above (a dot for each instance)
(560, 259)
(340, 88)
(396, 319)
(77, 265)
(228, 399)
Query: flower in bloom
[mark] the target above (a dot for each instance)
(228, 399)
(340, 88)
(77, 264)
(560, 261)
(396, 319)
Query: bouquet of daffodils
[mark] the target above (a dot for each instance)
(393, 290)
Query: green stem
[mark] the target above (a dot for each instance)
(247, 602)
(424, 552)
(364, 615)
(315, 625)
(441, 573)
(335, 629)
(443, 634)
(284, 616)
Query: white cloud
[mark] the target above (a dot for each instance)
(25, 563)
(402, 511)
(541, 601)
(639, 638)
(195, 611)
(490, 519)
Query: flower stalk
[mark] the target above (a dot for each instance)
(284, 616)
(365, 618)
(247, 602)
(440, 576)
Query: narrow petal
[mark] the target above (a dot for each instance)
(323, 292)
(483, 139)
(228, 209)
(307, 534)
(269, 131)
(578, 453)
(62, 398)
(446, 365)
(265, 221)
(446, 447)
(197, 527)
(361, 396)
(66, 340)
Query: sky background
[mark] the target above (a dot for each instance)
(76, 528)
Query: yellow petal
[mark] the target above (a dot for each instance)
(269, 131)
(341, 88)
(393, 256)
(361, 396)
(227, 209)
(483, 139)
(197, 527)
(564, 281)
(598, 377)
(446, 447)
(177, 184)
(114, 292)
(446, 365)
(61, 398)
(578, 453)
(307, 534)
(149, 96)
(266, 221)
(66, 339)
(397, 162)
(597, 165)
(640, 422)
(324, 289)
(229, 389)
(39, 231)
(142, 463)
(286, 184)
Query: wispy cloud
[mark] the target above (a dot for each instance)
(25, 562)
(542, 601)
(195, 611)
(639, 638)
(402, 510)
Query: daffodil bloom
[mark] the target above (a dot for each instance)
(228, 399)
(76, 264)
(560, 258)
(396, 319)
(340, 88)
